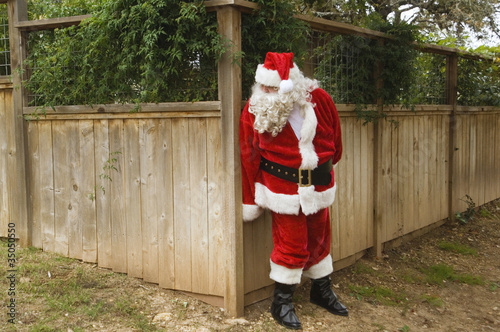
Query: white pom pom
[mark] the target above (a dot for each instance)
(286, 86)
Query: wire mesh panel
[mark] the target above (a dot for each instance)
(430, 80)
(340, 68)
(478, 83)
(4, 42)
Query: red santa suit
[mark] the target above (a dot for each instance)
(301, 224)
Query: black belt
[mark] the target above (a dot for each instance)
(321, 175)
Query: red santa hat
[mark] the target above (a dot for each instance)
(276, 71)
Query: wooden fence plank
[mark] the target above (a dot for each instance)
(473, 162)
(117, 192)
(394, 228)
(164, 202)
(357, 170)
(182, 210)
(102, 194)
(433, 189)
(34, 184)
(465, 163)
(418, 167)
(249, 257)
(369, 184)
(496, 149)
(347, 213)
(442, 164)
(75, 236)
(4, 194)
(148, 130)
(87, 215)
(263, 246)
(199, 205)
(405, 174)
(133, 145)
(62, 183)
(215, 222)
(400, 175)
(385, 183)
(480, 160)
(47, 199)
(489, 152)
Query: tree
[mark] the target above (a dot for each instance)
(454, 17)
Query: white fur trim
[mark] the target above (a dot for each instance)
(307, 198)
(286, 86)
(272, 77)
(320, 270)
(307, 133)
(312, 201)
(279, 203)
(267, 77)
(285, 275)
(251, 212)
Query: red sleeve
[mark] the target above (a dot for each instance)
(331, 118)
(250, 162)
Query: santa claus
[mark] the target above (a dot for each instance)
(290, 138)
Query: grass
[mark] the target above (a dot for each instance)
(457, 248)
(378, 295)
(433, 300)
(441, 273)
(51, 289)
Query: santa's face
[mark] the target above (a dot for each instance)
(271, 109)
(268, 89)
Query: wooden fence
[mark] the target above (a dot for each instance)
(156, 194)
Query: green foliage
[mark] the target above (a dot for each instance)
(272, 28)
(469, 214)
(129, 51)
(43, 9)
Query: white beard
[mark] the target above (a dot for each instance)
(271, 110)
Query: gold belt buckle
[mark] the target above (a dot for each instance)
(309, 182)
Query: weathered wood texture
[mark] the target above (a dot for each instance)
(140, 196)
(5, 198)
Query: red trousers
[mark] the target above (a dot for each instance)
(301, 243)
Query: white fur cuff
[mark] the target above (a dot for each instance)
(285, 275)
(320, 270)
(251, 212)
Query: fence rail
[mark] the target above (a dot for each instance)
(153, 190)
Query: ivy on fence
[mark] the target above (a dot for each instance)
(129, 51)
(135, 51)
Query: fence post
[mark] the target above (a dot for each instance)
(451, 99)
(378, 217)
(16, 143)
(229, 20)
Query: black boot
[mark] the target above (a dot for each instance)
(323, 295)
(282, 307)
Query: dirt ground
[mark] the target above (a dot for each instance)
(416, 303)
(422, 285)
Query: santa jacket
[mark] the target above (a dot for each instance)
(320, 141)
